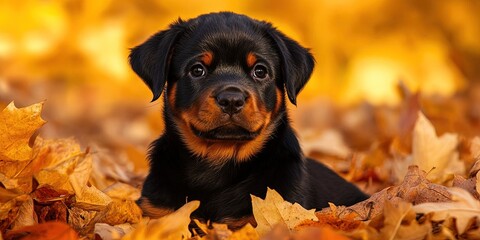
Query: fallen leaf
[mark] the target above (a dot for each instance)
(17, 126)
(463, 208)
(334, 219)
(79, 219)
(117, 212)
(54, 211)
(122, 191)
(415, 188)
(44, 231)
(108, 232)
(26, 216)
(172, 226)
(246, 232)
(8, 206)
(400, 223)
(46, 194)
(435, 155)
(92, 199)
(275, 211)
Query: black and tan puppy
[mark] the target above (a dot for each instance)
(224, 78)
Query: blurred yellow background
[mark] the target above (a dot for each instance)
(74, 53)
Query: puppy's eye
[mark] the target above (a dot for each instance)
(260, 72)
(198, 70)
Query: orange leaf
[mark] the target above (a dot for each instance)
(45, 231)
(17, 127)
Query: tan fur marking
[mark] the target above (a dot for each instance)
(205, 115)
(279, 101)
(251, 59)
(207, 58)
(172, 91)
(152, 211)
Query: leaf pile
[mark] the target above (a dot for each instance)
(52, 189)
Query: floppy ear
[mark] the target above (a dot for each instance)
(297, 63)
(150, 60)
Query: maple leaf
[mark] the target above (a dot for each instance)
(463, 208)
(436, 155)
(276, 211)
(17, 127)
(172, 226)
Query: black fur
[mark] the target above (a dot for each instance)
(177, 174)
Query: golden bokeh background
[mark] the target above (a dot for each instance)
(74, 53)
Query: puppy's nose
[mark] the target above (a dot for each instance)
(231, 100)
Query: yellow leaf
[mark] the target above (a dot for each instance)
(61, 158)
(120, 190)
(435, 155)
(17, 127)
(400, 223)
(246, 232)
(173, 226)
(463, 208)
(275, 211)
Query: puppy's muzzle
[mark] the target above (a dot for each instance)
(231, 99)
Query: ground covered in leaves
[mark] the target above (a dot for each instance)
(418, 161)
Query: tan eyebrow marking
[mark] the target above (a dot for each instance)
(251, 59)
(207, 58)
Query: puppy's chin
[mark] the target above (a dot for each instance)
(226, 133)
(223, 144)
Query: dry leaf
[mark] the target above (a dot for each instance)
(173, 226)
(108, 232)
(122, 191)
(275, 211)
(17, 126)
(45, 231)
(92, 199)
(8, 206)
(415, 188)
(26, 216)
(246, 232)
(435, 155)
(400, 223)
(463, 208)
(79, 219)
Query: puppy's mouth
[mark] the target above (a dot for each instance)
(226, 133)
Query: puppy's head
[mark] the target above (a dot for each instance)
(227, 75)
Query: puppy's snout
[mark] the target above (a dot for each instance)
(231, 100)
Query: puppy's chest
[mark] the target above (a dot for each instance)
(209, 178)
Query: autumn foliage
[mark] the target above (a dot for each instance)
(393, 106)
(49, 190)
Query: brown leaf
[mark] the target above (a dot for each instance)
(415, 188)
(26, 216)
(55, 211)
(79, 219)
(47, 193)
(45, 231)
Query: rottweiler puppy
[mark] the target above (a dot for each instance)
(225, 78)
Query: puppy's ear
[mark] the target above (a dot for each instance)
(150, 60)
(297, 63)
